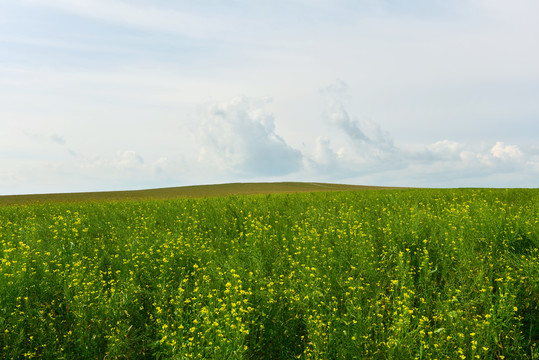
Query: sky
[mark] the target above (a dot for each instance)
(100, 95)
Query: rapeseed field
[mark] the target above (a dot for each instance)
(392, 274)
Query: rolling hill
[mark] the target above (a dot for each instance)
(185, 191)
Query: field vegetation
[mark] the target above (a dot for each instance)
(195, 191)
(381, 274)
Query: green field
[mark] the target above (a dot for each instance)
(377, 274)
(196, 191)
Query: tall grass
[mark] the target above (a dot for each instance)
(394, 274)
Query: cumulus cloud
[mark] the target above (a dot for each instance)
(447, 163)
(363, 146)
(445, 149)
(127, 159)
(324, 160)
(368, 152)
(505, 152)
(239, 137)
(340, 117)
(442, 150)
(365, 135)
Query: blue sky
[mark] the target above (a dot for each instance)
(116, 94)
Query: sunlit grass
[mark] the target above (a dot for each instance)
(401, 274)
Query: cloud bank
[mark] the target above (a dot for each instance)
(367, 153)
(237, 140)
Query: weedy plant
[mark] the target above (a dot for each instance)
(393, 274)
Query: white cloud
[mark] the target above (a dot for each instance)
(324, 160)
(445, 148)
(239, 137)
(373, 155)
(365, 135)
(442, 150)
(127, 159)
(364, 147)
(505, 152)
(339, 116)
(474, 159)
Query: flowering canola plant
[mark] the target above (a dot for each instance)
(397, 274)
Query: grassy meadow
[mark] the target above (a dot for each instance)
(378, 274)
